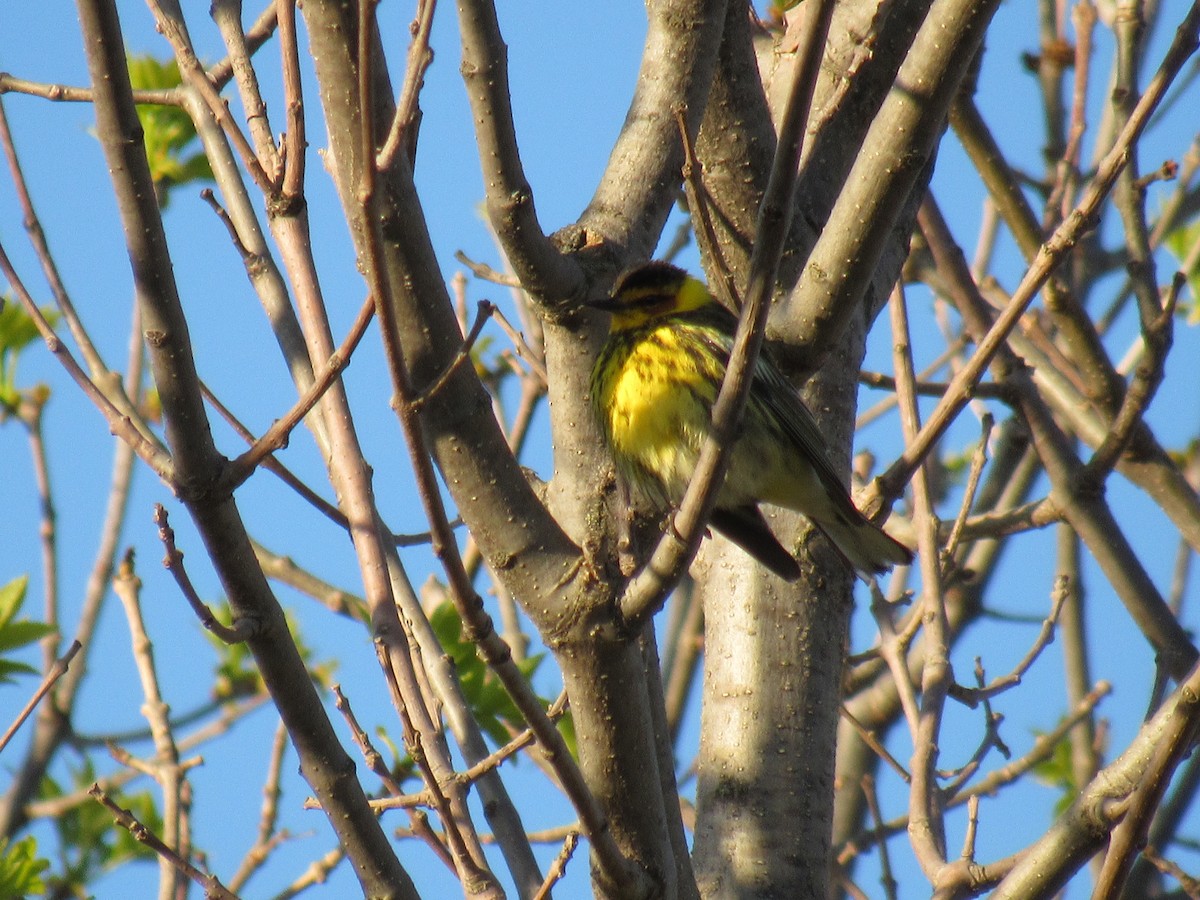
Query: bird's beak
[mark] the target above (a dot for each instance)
(604, 304)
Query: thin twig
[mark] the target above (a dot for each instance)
(456, 854)
(973, 696)
(122, 425)
(978, 461)
(871, 741)
(991, 739)
(370, 755)
(400, 134)
(30, 407)
(230, 714)
(559, 867)
(173, 562)
(1084, 507)
(171, 26)
(227, 14)
(526, 352)
(509, 198)
(485, 311)
(1188, 883)
(209, 883)
(486, 272)
(892, 650)
(722, 284)
(375, 763)
(1043, 748)
(399, 667)
(295, 141)
(57, 670)
(275, 437)
(166, 768)
(273, 465)
(109, 383)
(1157, 333)
(926, 812)
(267, 838)
(886, 878)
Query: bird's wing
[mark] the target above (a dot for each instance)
(783, 404)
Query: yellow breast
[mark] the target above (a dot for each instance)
(654, 400)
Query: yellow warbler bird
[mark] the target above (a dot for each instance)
(653, 388)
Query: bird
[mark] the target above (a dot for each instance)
(653, 387)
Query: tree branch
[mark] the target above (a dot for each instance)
(199, 466)
(541, 268)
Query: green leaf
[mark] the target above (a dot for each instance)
(566, 727)
(167, 130)
(91, 842)
(125, 847)
(149, 74)
(237, 673)
(490, 703)
(16, 633)
(402, 766)
(17, 331)
(1056, 771)
(21, 869)
(12, 596)
(1180, 243)
(9, 667)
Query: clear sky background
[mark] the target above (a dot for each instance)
(573, 67)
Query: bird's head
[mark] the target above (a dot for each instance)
(651, 291)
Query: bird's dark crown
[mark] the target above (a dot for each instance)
(651, 290)
(648, 283)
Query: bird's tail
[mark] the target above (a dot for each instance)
(866, 546)
(747, 528)
(863, 544)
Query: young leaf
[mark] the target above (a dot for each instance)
(16, 633)
(21, 869)
(1180, 243)
(168, 130)
(17, 331)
